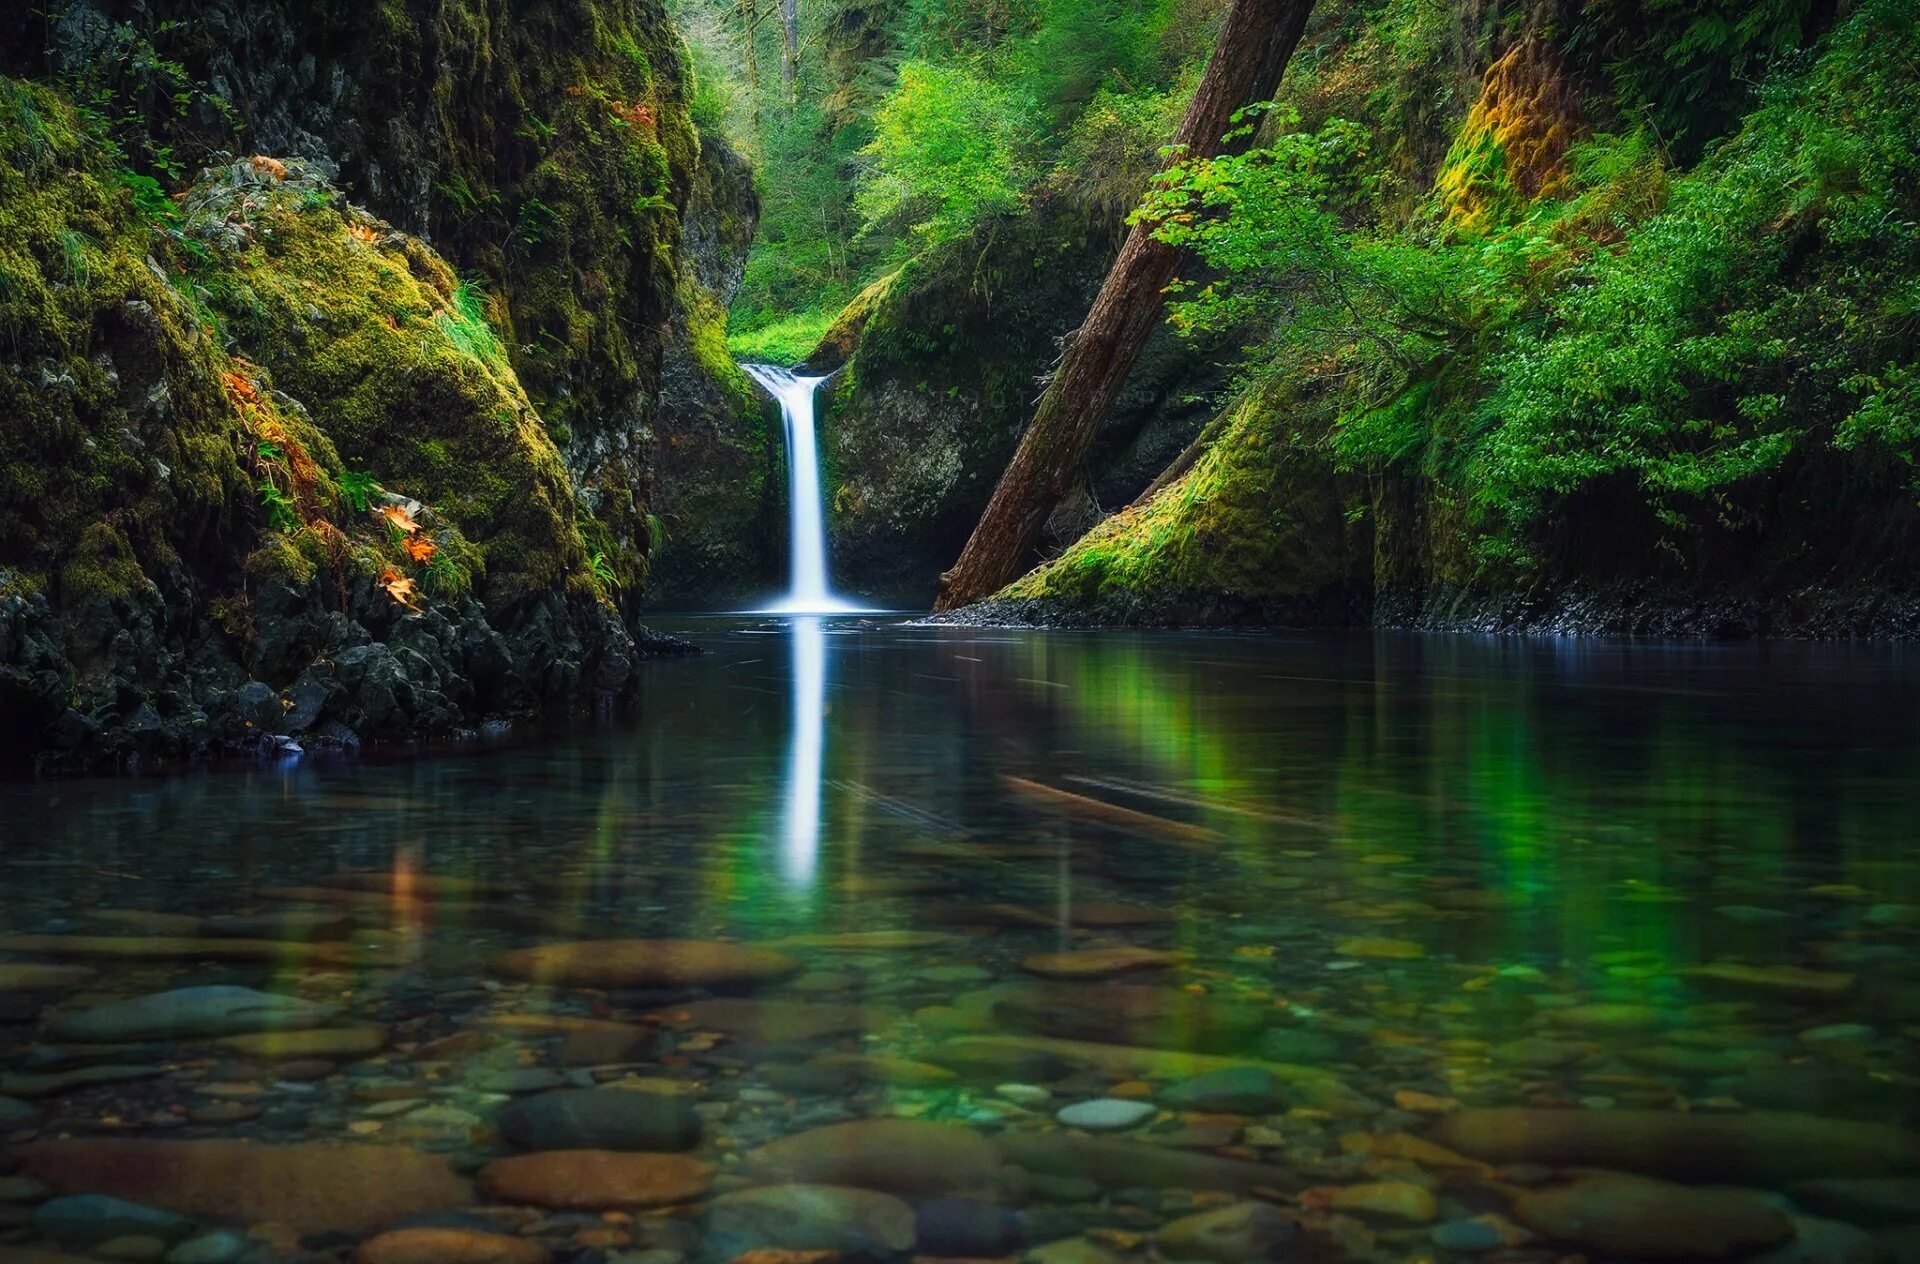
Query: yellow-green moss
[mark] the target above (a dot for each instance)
(396, 363)
(1258, 519)
(1511, 151)
(111, 407)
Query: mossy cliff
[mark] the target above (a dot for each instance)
(545, 150)
(267, 471)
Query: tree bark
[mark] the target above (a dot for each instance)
(790, 49)
(1255, 44)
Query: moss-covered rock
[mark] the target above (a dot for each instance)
(208, 415)
(944, 376)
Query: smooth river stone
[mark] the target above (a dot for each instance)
(320, 1042)
(1630, 1216)
(856, 1222)
(1095, 963)
(449, 1246)
(18, 977)
(1133, 1164)
(648, 963)
(1315, 1087)
(596, 1180)
(586, 1041)
(1885, 1200)
(908, 1157)
(1242, 1233)
(87, 1220)
(1105, 1114)
(189, 1013)
(1788, 981)
(1758, 1147)
(1126, 1014)
(773, 1022)
(870, 940)
(315, 1187)
(175, 948)
(601, 1119)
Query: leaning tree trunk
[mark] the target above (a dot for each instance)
(1258, 39)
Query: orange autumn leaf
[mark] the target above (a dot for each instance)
(401, 589)
(421, 550)
(399, 517)
(365, 233)
(241, 389)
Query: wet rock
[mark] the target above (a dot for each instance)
(1818, 1241)
(909, 1157)
(171, 948)
(1864, 1200)
(1611, 1017)
(189, 1013)
(1166, 1018)
(1071, 1251)
(1232, 1091)
(595, 1180)
(87, 1220)
(320, 1042)
(1631, 1216)
(601, 1119)
(21, 977)
(1238, 1234)
(1467, 1236)
(774, 1021)
(1381, 949)
(1120, 1164)
(81, 1077)
(1105, 1114)
(312, 1187)
(448, 1246)
(1389, 1200)
(1761, 1147)
(965, 1228)
(222, 1246)
(808, 1218)
(1096, 963)
(1789, 981)
(667, 963)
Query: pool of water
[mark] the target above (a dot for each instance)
(1084, 946)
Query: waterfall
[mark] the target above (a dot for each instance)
(807, 590)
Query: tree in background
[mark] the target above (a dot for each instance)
(1252, 53)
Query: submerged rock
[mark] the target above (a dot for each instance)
(648, 963)
(1133, 1164)
(1231, 1091)
(189, 1013)
(1096, 963)
(318, 1042)
(313, 1187)
(1882, 1200)
(596, 1180)
(909, 1157)
(25, 977)
(601, 1119)
(1105, 1114)
(1127, 1014)
(773, 1021)
(808, 1218)
(1761, 1147)
(1633, 1216)
(449, 1246)
(87, 1220)
(1237, 1234)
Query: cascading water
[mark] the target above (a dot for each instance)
(807, 590)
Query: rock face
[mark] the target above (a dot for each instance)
(648, 963)
(596, 1179)
(315, 1188)
(855, 1222)
(1760, 1147)
(601, 1119)
(1642, 1219)
(191, 1013)
(906, 1157)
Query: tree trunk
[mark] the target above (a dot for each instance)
(790, 49)
(749, 19)
(1252, 53)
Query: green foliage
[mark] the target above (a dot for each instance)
(783, 342)
(947, 149)
(465, 324)
(357, 489)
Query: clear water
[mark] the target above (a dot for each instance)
(1422, 862)
(808, 591)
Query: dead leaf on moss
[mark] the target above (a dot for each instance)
(421, 549)
(401, 589)
(399, 517)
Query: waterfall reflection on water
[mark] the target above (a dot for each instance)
(806, 753)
